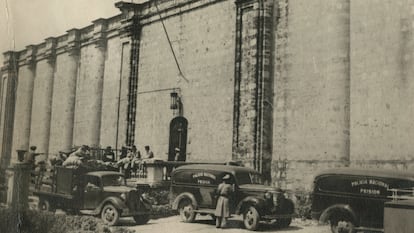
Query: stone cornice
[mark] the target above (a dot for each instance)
(129, 23)
(245, 2)
(169, 8)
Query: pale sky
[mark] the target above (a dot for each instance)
(25, 22)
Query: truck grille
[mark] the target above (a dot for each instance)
(133, 200)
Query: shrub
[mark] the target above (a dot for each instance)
(303, 204)
(31, 221)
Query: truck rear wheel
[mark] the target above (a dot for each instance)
(44, 205)
(141, 219)
(342, 225)
(251, 218)
(110, 215)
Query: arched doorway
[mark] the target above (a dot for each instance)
(178, 138)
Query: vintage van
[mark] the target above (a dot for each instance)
(353, 199)
(193, 189)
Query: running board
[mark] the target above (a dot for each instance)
(205, 211)
(369, 229)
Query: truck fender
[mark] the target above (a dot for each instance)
(340, 209)
(182, 196)
(250, 201)
(117, 202)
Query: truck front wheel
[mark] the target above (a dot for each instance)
(251, 219)
(186, 209)
(110, 215)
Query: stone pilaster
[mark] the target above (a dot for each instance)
(131, 31)
(64, 93)
(24, 96)
(9, 73)
(252, 131)
(42, 95)
(88, 106)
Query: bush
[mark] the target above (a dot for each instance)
(31, 221)
(303, 205)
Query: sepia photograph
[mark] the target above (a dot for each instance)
(176, 116)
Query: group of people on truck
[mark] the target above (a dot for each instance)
(131, 159)
(84, 157)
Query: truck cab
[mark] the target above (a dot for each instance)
(98, 193)
(193, 191)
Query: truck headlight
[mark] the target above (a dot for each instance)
(275, 199)
(123, 196)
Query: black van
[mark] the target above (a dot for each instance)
(193, 192)
(353, 199)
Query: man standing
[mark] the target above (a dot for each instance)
(224, 190)
(177, 154)
(31, 156)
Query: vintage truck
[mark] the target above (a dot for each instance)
(98, 193)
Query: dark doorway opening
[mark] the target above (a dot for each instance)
(177, 147)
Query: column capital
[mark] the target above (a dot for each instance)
(73, 43)
(99, 32)
(130, 23)
(47, 50)
(29, 56)
(10, 60)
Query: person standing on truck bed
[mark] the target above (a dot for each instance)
(31, 156)
(75, 159)
(109, 155)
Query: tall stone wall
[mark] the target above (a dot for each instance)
(287, 86)
(206, 56)
(311, 115)
(382, 87)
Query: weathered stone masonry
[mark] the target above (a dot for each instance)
(252, 127)
(8, 88)
(286, 87)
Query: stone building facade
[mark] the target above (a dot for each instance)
(288, 87)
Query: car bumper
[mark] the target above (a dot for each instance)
(278, 216)
(316, 215)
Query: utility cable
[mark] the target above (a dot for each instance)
(169, 42)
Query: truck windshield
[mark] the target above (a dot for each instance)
(113, 180)
(249, 178)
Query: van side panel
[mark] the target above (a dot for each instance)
(365, 195)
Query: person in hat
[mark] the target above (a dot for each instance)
(177, 154)
(31, 156)
(224, 191)
(108, 155)
(148, 153)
